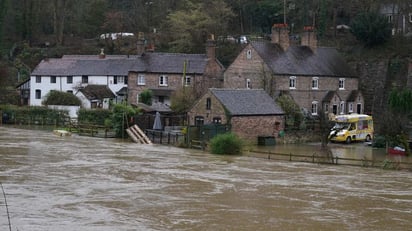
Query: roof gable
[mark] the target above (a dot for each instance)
(99, 92)
(247, 101)
(302, 61)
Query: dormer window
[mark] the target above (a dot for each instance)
(292, 82)
(315, 83)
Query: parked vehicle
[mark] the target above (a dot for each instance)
(352, 127)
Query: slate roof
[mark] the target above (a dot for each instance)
(99, 92)
(353, 96)
(92, 65)
(302, 61)
(247, 102)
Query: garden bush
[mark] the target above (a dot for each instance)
(227, 143)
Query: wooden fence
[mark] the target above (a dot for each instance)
(392, 162)
(165, 137)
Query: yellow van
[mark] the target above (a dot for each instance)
(352, 127)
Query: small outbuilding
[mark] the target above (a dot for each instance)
(252, 113)
(95, 96)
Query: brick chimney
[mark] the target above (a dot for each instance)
(280, 35)
(140, 44)
(308, 38)
(211, 47)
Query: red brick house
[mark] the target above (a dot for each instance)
(308, 73)
(251, 113)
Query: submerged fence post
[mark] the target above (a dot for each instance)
(7, 207)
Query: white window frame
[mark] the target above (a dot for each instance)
(326, 108)
(141, 81)
(248, 84)
(342, 107)
(163, 81)
(69, 79)
(38, 79)
(249, 54)
(315, 83)
(350, 107)
(188, 80)
(341, 83)
(314, 108)
(119, 79)
(292, 82)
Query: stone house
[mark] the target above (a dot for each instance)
(399, 15)
(315, 77)
(128, 75)
(251, 113)
(164, 73)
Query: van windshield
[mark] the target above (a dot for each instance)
(339, 126)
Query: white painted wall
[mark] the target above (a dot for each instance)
(45, 86)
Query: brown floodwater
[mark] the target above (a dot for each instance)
(84, 183)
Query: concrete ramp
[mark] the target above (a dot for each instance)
(137, 135)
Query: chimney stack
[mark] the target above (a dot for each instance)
(280, 35)
(211, 47)
(140, 44)
(309, 38)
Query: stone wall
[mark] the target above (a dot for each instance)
(250, 127)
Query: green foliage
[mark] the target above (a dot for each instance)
(93, 116)
(61, 98)
(294, 116)
(146, 97)
(34, 115)
(371, 28)
(401, 100)
(182, 100)
(190, 26)
(227, 143)
(379, 141)
(120, 118)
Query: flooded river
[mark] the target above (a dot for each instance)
(83, 183)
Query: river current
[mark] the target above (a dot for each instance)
(84, 183)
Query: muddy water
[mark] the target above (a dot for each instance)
(82, 183)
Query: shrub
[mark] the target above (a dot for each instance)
(61, 98)
(227, 143)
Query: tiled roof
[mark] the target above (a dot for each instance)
(247, 101)
(92, 65)
(99, 92)
(302, 61)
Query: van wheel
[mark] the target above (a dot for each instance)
(368, 138)
(348, 140)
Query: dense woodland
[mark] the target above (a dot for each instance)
(31, 30)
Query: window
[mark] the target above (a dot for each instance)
(38, 94)
(314, 107)
(38, 79)
(341, 84)
(199, 120)
(85, 79)
(161, 99)
(70, 91)
(292, 82)
(163, 80)
(141, 80)
(326, 108)
(410, 17)
(188, 80)
(390, 18)
(248, 85)
(208, 103)
(342, 107)
(69, 79)
(118, 79)
(217, 120)
(350, 109)
(52, 79)
(249, 54)
(315, 83)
